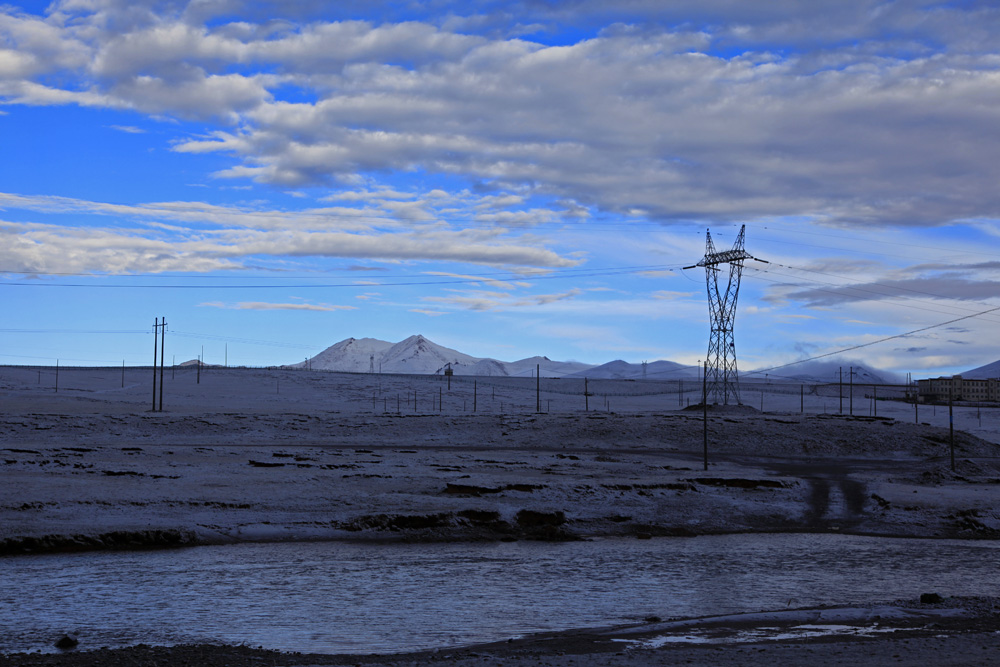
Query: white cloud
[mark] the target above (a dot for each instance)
(239, 233)
(128, 129)
(482, 300)
(879, 114)
(669, 295)
(263, 305)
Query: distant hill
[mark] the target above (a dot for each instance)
(984, 372)
(655, 370)
(422, 356)
(352, 355)
(419, 355)
(826, 372)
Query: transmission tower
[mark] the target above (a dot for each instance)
(722, 378)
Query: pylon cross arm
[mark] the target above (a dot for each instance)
(724, 257)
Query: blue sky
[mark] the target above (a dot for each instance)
(508, 179)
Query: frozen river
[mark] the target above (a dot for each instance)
(339, 597)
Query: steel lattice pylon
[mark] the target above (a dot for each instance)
(721, 375)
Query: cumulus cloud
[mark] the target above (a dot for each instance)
(850, 113)
(948, 287)
(196, 236)
(40, 248)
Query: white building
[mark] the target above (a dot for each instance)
(957, 388)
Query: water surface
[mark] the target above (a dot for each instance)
(334, 597)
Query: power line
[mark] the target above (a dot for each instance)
(76, 331)
(247, 341)
(789, 230)
(757, 274)
(874, 342)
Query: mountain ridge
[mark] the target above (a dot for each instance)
(419, 355)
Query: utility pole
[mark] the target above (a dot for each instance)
(850, 402)
(538, 388)
(163, 346)
(840, 390)
(721, 362)
(951, 427)
(156, 341)
(704, 415)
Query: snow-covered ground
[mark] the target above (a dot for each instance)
(242, 454)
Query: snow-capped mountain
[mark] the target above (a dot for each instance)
(655, 370)
(419, 355)
(984, 372)
(416, 354)
(825, 371)
(545, 366)
(352, 355)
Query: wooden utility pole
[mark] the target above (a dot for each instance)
(538, 388)
(156, 341)
(850, 384)
(163, 346)
(951, 428)
(704, 414)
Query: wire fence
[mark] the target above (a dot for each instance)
(381, 391)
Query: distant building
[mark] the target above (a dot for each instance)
(957, 388)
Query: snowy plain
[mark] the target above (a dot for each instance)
(277, 454)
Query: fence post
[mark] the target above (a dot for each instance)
(951, 429)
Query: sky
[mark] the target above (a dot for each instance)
(508, 179)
